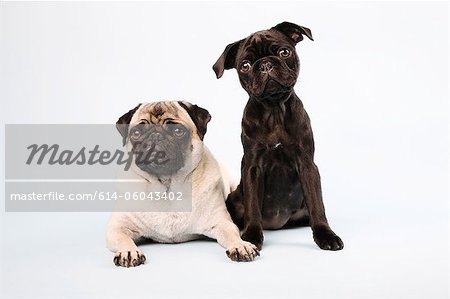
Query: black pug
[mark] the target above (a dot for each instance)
(280, 183)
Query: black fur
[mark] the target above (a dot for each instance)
(280, 183)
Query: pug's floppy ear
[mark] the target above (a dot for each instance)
(123, 123)
(199, 116)
(227, 60)
(293, 31)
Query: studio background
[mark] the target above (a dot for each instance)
(374, 82)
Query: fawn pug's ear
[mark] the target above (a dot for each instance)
(199, 116)
(123, 123)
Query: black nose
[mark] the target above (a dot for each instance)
(266, 67)
(155, 137)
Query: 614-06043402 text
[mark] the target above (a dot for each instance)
(87, 168)
(108, 196)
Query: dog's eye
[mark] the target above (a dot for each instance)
(245, 66)
(135, 134)
(179, 131)
(284, 52)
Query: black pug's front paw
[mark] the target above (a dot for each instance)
(327, 239)
(254, 235)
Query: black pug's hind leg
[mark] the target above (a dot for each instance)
(235, 207)
(300, 218)
(301, 221)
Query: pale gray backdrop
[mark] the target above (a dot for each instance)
(374, 81)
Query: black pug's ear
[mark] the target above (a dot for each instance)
(227, 60)
(124, 121)
(199, 116)
(293, 31)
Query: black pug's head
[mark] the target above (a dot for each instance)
(164, 136)
(266, 61)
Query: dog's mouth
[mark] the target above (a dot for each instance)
(160, 170)
(160, 162)
(273, 89)
(162, 159)
(272, 85)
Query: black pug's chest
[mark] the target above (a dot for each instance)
(274, 146)
(282, 194)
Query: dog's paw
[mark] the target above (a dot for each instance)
(243, 252)
(327, 239)
(129, 258)
(254, 235)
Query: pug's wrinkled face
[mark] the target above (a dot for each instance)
(164, 137)
(160, 149)
(266, 61)
(267, 65)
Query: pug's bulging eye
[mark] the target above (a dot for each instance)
(284, 52)
(245, 66)
(179, 132)
(135, 134)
